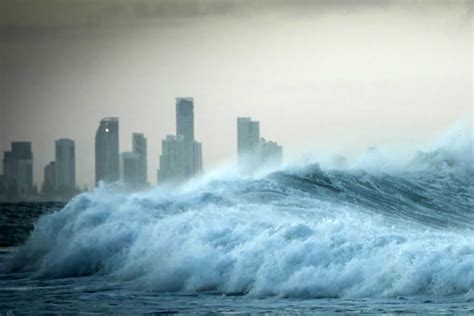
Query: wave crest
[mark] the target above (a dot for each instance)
(312, 233)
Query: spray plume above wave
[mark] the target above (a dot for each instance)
(302, 232)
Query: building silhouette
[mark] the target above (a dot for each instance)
(181, 156)
(18, 169)
(253, 151)
(65, 165)
(139, 144)
(133, 165)
(196, 156)
(2, 187)
(248, 136)
(185, 118)
(107, 151)
(49, 181)
(271, 154)
(192, 150)
(129, 169)
(172, 159)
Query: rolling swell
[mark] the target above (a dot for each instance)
(303, 233)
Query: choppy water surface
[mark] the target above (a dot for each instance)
(97, 294)
(303, 240)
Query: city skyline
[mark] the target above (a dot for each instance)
(139, 148)
(180, 160)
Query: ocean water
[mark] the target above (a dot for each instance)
(298, 240)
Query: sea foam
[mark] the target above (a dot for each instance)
(306, 233)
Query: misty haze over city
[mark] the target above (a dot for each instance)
(319, 75)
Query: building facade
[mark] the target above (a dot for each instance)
(172, 159)
(181, 156)
(65, 154)
(248, 138)
(139, 144)
(18, 169)
(129, 169)
(49, 180)
(254, 152)
(196, 163)
(185, 118)
(271, 154)
(107, 151)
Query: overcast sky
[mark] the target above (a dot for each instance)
(318, 75)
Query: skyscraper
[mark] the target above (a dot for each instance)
(253, 151)
(107, 150)
(196, 163)
(129, 169)
(3, 189)
(185, 118)
(49, 182)
(192, 150)
(181, 156)
(18, 168)
(65, 174)
(139, 143)
(172, 159)
(248, 138)
(271, 154)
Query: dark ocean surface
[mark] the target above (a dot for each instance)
(17, 220)
(303, 240)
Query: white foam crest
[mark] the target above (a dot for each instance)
(164, 241)
(454, 146)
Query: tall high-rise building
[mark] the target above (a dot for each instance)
(181, 156)
(196, 163)
(18, 168)
(185, 118)
(172, 159)
(49, 182)
(65, 174)
(253, 151)
(139, 143)
(271, 154)
(3, 189)
(107, 150)
(248, 139)
(129, 169)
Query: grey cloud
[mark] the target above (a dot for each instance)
(47, 13)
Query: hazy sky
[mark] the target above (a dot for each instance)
(319, 75)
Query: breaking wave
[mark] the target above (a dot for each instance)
(306, 232)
